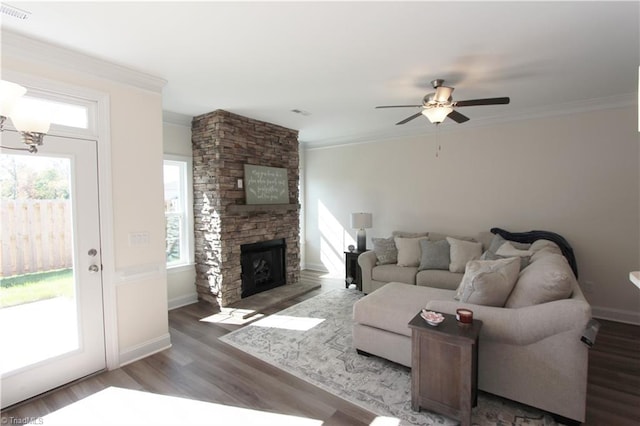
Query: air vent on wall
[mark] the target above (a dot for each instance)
(15, 12)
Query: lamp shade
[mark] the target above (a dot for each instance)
(437, 114)
(361, 220)
(9, 95)
(28, 117)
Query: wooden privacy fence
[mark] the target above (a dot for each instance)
(36, 236)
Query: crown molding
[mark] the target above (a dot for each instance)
(567, 108)
(23, 47)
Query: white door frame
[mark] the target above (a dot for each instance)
(100, 131)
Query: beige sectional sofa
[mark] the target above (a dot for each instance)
(533, 314)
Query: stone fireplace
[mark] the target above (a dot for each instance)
(222, 144)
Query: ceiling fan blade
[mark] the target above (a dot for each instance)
(406, 120)
(487, 101)
(457, 117)
(399, 106)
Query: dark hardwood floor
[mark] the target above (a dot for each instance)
(199, 366)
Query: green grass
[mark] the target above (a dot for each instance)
(26, 288)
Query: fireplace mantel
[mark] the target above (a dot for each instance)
(260, 208)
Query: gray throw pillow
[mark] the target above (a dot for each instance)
(435, 255)
(385, 250)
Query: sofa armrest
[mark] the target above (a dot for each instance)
(523, 326)
(367, 262)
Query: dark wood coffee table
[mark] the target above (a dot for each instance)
(444, 367)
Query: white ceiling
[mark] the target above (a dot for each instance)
(337, 60)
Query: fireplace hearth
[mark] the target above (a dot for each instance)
(263, 266)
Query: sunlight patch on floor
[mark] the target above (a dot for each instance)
(117, 406)
(288, 323)
(385, 421)
(233, 316)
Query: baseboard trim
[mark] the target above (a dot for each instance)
(179, 302)
(318, 267)
(145, 349)
(619, 315)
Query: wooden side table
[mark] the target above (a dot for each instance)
(444, 367)
(353, 272)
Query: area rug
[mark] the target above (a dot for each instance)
(312, 340)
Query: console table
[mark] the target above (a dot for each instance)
(444, 367)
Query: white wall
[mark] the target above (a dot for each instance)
(181, 287)
(576, 175)
(135, 275)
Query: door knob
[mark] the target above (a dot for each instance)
(94, 268)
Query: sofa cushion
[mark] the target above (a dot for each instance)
(408, 250)
(392, 306)
(385, 250)
(488, 282)
(437, 278)
(546, 279)
(462, 252)
(389, 273)
(434, 254)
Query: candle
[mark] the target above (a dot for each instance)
(464, 316)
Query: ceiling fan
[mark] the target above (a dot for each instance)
(439, 105)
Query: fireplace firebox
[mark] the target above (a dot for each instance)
(263, 266)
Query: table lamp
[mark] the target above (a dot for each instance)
(361, 221)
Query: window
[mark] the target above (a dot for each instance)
(64, 114)
(177, 210)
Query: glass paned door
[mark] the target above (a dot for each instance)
(51, 319)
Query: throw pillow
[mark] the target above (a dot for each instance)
(435, 255)
(405, 234)
(488, 282)
(385, 250)
(550, 246)
(487, 255)
(498, 241)
(508, 250)
(546, 279)
(408, 251)
(462, 252)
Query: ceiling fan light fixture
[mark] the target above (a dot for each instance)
(437, 114)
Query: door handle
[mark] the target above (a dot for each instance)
(94, 268)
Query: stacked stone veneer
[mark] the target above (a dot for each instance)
(222, 144)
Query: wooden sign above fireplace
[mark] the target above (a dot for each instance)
(266, 185)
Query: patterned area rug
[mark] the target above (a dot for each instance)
(312, 340)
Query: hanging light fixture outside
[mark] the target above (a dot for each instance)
(32, 122)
